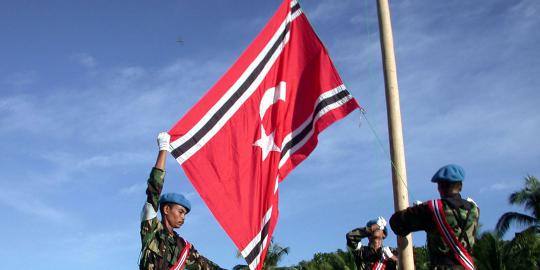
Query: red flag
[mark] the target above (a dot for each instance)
(257, 123)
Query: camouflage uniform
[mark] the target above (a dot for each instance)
(462, 215)
(160, 249)
(366, 256)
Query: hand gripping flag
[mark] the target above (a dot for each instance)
(257, 123)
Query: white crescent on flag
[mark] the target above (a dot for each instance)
(258, 122)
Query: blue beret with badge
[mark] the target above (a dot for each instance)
(176, 199)
(449, 173)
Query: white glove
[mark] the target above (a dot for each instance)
(381, 222)
(387, 252)
(359, 246)
(417, 202)
(163, 140)
(472, 201)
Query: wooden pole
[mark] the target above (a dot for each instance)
(397, 151)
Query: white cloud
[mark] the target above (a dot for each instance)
(24, 113)
(25, 203)
(124, 104)
(138, 188)
(93, 247)
(84, 60)
(327, 10)
(20, 79)
(500, 187)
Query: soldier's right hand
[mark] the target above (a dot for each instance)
(381, 222)
(163, 140)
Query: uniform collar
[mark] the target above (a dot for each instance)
(455, 201)
(454, 196)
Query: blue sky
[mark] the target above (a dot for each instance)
(85, 87)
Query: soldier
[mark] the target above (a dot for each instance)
(374, 255)
(162, 248)
(450, 222)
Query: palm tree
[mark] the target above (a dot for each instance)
(274, 254)
(529, 198)
(490, 252)
(524, 250)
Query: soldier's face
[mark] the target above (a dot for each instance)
(175, 215)
(375, 242)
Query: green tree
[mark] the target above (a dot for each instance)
(523, 252)
(490, 252)
(339, 259)
(421, 258)
(529, 198)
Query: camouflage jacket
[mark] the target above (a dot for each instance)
(462, 215)
(366, 256)
(160, 249)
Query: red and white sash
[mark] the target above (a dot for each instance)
(448, 235)
(380, 265)
(182, 258)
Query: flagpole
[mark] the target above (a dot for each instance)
(397, 150)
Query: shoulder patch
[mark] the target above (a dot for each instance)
(148, 212)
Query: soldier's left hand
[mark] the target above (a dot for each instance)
(387, 252)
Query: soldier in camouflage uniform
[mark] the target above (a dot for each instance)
(374, 255)
(162, 247)
(461, 220)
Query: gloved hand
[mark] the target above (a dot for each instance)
(163, 140)
(387, 252)
(417, 202)
(381, 222)
(472, 201)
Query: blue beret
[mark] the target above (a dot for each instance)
(374, 221)
(176, 199)
(449, 173)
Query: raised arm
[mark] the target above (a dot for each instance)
(412, 219)
(163, 140)
(149, 220)
(355, 236)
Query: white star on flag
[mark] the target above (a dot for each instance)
(266, 143)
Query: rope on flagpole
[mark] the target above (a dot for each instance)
(370, 35)
(383, 149)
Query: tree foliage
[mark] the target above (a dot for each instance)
(529, 198)
(421, 258)
(491, 252)
(329, 261)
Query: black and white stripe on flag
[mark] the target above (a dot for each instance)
(252, 252)
(222, 111)
(256, 124)
(326, 102)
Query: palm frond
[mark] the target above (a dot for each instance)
(513, 217)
